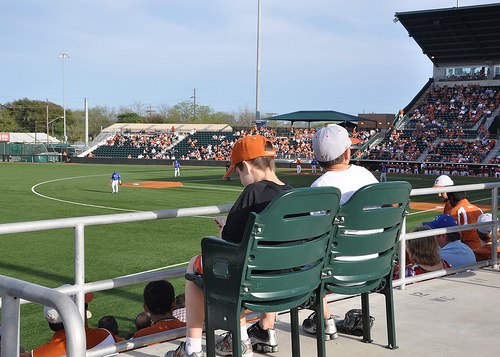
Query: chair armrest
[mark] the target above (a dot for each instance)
(223, 262)
(196, 279)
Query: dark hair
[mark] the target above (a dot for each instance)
(261, 163)
(56, 327)
(457, 196)
(452, 237)
(180, 301)
(109, 323)
(143, 320)
(158, 296)
(328, 164)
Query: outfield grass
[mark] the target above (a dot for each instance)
(72, 190)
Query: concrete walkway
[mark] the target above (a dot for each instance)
(451, 316)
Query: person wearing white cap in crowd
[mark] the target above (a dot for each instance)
(442, 181)
(452, 250)
(332, 149)
(57, 345)
(485, 238)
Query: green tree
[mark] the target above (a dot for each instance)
(129, 118)
(31, 115)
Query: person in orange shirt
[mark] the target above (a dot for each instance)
(485, 236)
(96, 337)
(442, 181)
(159, 301)
(465, 212)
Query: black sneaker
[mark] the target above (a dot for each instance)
(263, 340)
(309, 326)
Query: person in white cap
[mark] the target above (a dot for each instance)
(57, 345)
(443, 181)
(485, 238)
(332, 149)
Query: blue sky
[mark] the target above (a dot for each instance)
(347, 56)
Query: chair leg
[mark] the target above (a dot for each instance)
(294, 322)
(365, 307)
(389, 308)
(210, 341)
(320, 325)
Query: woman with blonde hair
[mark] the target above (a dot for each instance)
(424, 253)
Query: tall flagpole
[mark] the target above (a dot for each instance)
(257, 106)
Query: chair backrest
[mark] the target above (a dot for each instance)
(364, 245)
(282, 252)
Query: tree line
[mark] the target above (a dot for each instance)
(26, 115)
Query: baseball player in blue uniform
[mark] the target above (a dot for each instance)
(116, 180)
(177, 167)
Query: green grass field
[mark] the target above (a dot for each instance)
(47, 191)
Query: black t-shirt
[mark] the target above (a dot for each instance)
(254, 198)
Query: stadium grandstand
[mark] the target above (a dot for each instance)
(453, 120)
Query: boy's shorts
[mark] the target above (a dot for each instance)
(198, 265)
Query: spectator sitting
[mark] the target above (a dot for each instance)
(465, 212)
(252, 159)
(453, 250)
(159, 301)
(109, 323)
(180, 307)
(142, 320)
(424, 253)
(96, 337)
(485, 235)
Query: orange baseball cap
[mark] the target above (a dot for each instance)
(248, 148)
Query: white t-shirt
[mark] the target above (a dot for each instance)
(347, 181)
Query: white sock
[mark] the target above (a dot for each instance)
(192, 345)
(244, 333)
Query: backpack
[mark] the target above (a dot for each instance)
(352, 323)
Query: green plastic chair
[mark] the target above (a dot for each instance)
(368, 225)
(277, 266)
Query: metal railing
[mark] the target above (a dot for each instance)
(14, 290)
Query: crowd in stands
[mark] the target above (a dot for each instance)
(460, 151)
(454, 107)
(297, 143)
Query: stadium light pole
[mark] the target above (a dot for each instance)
(63, 56)
(257, 94)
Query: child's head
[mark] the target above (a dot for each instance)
(257, 150)
(159, 297)
(330, 143)
(423, 250)
(485, 233)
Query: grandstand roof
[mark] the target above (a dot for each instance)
(317, 115)
(469, 34)
(148, 127)
(29, 138)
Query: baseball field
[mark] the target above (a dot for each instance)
(33, 192)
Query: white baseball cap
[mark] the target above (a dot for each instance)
(485, 217)
(331, 141)
(442, 181)
(51, 314)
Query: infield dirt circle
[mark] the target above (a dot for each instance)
(153, 184)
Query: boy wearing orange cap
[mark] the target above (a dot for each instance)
(252, 159)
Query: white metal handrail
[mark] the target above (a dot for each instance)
(13, 289)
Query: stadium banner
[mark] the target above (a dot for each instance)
(4, 136)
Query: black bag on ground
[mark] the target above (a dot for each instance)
(352, 324)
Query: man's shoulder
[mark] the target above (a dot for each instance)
(159, 327)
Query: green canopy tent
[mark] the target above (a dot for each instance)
(320, 116)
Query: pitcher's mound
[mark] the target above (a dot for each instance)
(153, 184)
